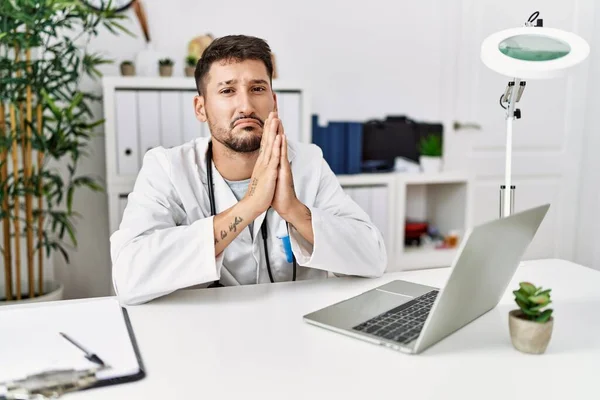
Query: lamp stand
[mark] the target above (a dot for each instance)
(511, 96)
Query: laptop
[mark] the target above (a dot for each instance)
(410, 317)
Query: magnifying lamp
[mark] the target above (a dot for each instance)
(529, 52)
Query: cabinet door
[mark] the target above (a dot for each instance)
(149, 120)
(192, 128)
(126, 124)
(171, 131)
(290, 114)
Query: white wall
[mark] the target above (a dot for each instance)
(587, 246)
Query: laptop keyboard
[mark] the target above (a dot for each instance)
(402, 324)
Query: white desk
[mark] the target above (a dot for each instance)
(251, 341)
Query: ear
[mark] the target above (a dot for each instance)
(199, 108)
(275, 107)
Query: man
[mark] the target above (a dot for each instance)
(266, 190)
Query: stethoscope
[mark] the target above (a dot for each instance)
(263, 227)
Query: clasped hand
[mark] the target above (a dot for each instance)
(271, 184)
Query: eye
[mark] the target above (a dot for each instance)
(259, 89)
(226, 91)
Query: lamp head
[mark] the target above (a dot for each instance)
(533, 52)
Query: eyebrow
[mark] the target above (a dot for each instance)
(234, 81)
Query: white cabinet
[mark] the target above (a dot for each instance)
(390, 199)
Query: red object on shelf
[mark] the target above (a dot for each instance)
(414, 230)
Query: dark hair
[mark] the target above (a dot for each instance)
(232, 48)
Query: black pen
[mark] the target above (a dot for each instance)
(90, 356)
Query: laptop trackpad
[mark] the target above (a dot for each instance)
(358, 309)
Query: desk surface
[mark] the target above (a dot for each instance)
(252, 341)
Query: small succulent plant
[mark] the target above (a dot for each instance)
(531, 300)
(127, 62)
(190, 61)
(431, 146)
(165, 62)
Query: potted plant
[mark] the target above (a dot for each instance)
(127, 68)
(430, 149)
(45, 122)
(531, 326)
(190, 65)
(165, 67)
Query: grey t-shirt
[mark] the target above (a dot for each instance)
(239, 189)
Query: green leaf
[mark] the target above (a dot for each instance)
(528, 288)
(538, 308)
(529, 312)
(546, 292)
(57, 246)
(521, 297)
(122, 28)
(544, 317)
(540, 299)
(70, 199)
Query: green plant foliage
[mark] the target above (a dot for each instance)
(531, 300)
(431, 146)
(56, 32)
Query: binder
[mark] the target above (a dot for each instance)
(126, 126)
(192, 128)
(317, 132)
(30, 341)
(354, 137)
(148, 109)
(170, 119)
(290, 115)
(336, 141)
(281, 108)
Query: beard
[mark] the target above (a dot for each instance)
(240, 140)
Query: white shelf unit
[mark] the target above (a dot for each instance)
(442, 199)
(133, 125)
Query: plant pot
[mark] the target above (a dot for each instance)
(165, 70)
(127, 69)
(53, 291)
(189, 71)
(529, 336)
(430, 164)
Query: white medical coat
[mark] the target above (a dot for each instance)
(165, 241)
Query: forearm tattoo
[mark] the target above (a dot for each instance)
(236, 222)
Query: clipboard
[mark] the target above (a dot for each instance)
(139, 375)
(43, 362)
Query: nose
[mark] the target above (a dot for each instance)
(244, 104)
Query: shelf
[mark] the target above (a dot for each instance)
(172, 83)
(424, 178)
(417, 258)
(409, 178)
(366, 179)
